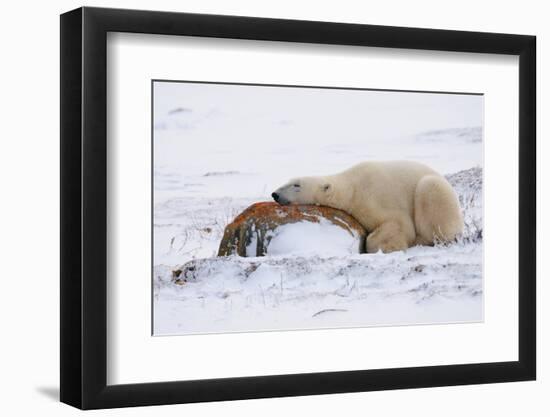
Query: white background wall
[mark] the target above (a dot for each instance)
(29, 175)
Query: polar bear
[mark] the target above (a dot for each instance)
(400, 203)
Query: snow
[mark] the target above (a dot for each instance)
(298, 292)
(251, 248)
(311, 238)
(218, 149)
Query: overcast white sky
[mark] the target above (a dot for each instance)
(311, 130)
(352, 111)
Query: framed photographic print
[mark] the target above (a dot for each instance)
(258, 207)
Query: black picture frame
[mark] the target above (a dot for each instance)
(84, 207)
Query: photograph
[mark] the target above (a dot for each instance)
(281, 207)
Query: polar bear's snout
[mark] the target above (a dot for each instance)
(279, 198)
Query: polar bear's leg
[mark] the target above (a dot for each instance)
(437, 214)
(391, 236)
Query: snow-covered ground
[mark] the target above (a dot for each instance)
(218, 149)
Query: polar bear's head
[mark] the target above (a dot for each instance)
(304, 190)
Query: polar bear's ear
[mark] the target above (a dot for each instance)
(326, 186)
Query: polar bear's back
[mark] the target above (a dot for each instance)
(384, 188)
(389, 176)
(397, 169)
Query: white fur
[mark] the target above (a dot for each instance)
(400, 203)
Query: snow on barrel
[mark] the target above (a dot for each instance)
(271, 229)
